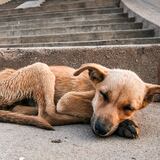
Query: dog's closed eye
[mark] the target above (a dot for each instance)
(105, 96)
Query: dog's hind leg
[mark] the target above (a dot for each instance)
(35, 81)
(10, 117)
(28, 110)
(5, 74)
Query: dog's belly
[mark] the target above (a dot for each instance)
(23, 102)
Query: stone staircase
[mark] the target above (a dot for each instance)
(11, 4)
(71, 23)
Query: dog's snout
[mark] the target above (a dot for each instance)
(100, 128)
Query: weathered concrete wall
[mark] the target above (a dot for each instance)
(146, 11)
(144, 60)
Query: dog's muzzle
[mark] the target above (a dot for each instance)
(102, 129)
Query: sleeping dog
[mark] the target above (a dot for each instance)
(62, 95)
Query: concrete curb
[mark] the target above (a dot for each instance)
(143, 59)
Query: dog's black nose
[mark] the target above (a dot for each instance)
(100, 129)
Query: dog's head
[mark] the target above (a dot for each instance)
(119, 94)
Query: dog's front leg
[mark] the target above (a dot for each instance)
(128, 129)
(77, 104)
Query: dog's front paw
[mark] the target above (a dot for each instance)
(128, 129)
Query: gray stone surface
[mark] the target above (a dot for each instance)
(56, 30)
(30, 4)
(28, 24)
(77, 142)
(143, 59)
(82, 36)
(61, 6)
(34, 27)
(51, 14)
(38, 21)
(146, 11)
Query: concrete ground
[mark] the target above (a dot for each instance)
(77, 142)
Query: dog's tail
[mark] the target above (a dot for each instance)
(10, 117)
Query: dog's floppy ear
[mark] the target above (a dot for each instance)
(151, 90)
(96, 72)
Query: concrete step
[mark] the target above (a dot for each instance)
(50, 2)
(73, 29)
(97, 2)
(138, 41)
(76, 5)
(143, 59)
(60, 8)
(87, 36)
(20, 25)
(72, 23)
(60, 14)
(39, 10)
(148, 40)
(68, 18)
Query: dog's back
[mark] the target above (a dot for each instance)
(4, 74)
(67, 82)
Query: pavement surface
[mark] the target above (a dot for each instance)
(77, 142)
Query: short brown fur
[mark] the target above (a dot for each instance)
(66, 96)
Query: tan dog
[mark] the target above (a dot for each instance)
(64, 95)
